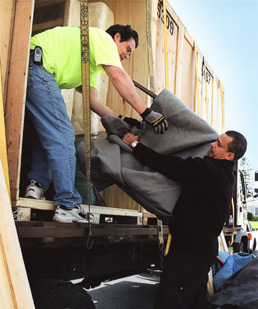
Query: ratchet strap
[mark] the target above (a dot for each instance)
(165, 43)
(145, 90)
(197, 82)
(85, 67)
(222, 107)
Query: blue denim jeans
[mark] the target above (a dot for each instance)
(53, 155)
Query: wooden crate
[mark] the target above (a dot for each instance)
(192, 81)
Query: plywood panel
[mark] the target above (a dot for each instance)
(134, 14)
(115, 197)
(187, 78)
(172, 38)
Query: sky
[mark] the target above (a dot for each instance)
(227, 34)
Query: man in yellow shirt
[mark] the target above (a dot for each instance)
(55, 63)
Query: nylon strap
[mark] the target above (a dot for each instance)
(149, 43)
(206, 98)
(145, 90)
(85, 66)
(212, 101)
(197, 81)
(168, 244)
(222, 106)
(165, 43)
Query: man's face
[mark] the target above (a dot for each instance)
(219, 149)
(126, 48)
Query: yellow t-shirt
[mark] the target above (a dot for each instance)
(62, 54)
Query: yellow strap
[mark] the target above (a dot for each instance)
(197, 81)
(168, 244)
(206, 94)
(85, 65)
(3, 150)
(149, 44)
(212, 101)
(233, 215)
(165, 43)
(222, 106)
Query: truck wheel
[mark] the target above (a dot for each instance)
(63, 295)
(238, 247)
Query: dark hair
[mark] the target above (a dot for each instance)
(126, 33)
(238, 145)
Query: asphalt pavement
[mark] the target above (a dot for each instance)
(133, 292)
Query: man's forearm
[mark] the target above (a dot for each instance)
(125, 87)
(97, 107)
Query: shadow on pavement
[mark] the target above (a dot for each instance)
(128, 293)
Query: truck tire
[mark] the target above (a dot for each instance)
(54, 294)
(238, 247)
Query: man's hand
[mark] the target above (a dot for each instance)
(133, 122)
(155, 119)
(129, 138)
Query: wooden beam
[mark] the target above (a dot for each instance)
(16, 90)
(32, 230)
(49, 205)
(6, 28)
(48, 25)
(15, 289)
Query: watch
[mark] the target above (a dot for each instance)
(134, 143)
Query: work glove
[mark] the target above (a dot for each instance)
(156, 120)
(133, 122)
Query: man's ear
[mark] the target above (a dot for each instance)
(117, 37)
(230, 156)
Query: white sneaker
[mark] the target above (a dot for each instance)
(76, 214)
(34, 190)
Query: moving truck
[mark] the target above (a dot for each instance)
(124, 238)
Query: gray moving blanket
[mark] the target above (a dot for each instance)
(112, 161)
(240, 290)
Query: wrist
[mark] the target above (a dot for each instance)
(145, 113)
(134, 144)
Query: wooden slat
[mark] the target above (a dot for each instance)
(15, 290)
(49, 205)
(48, 25)
(6, 26)
(16, 90)
(66, 230)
